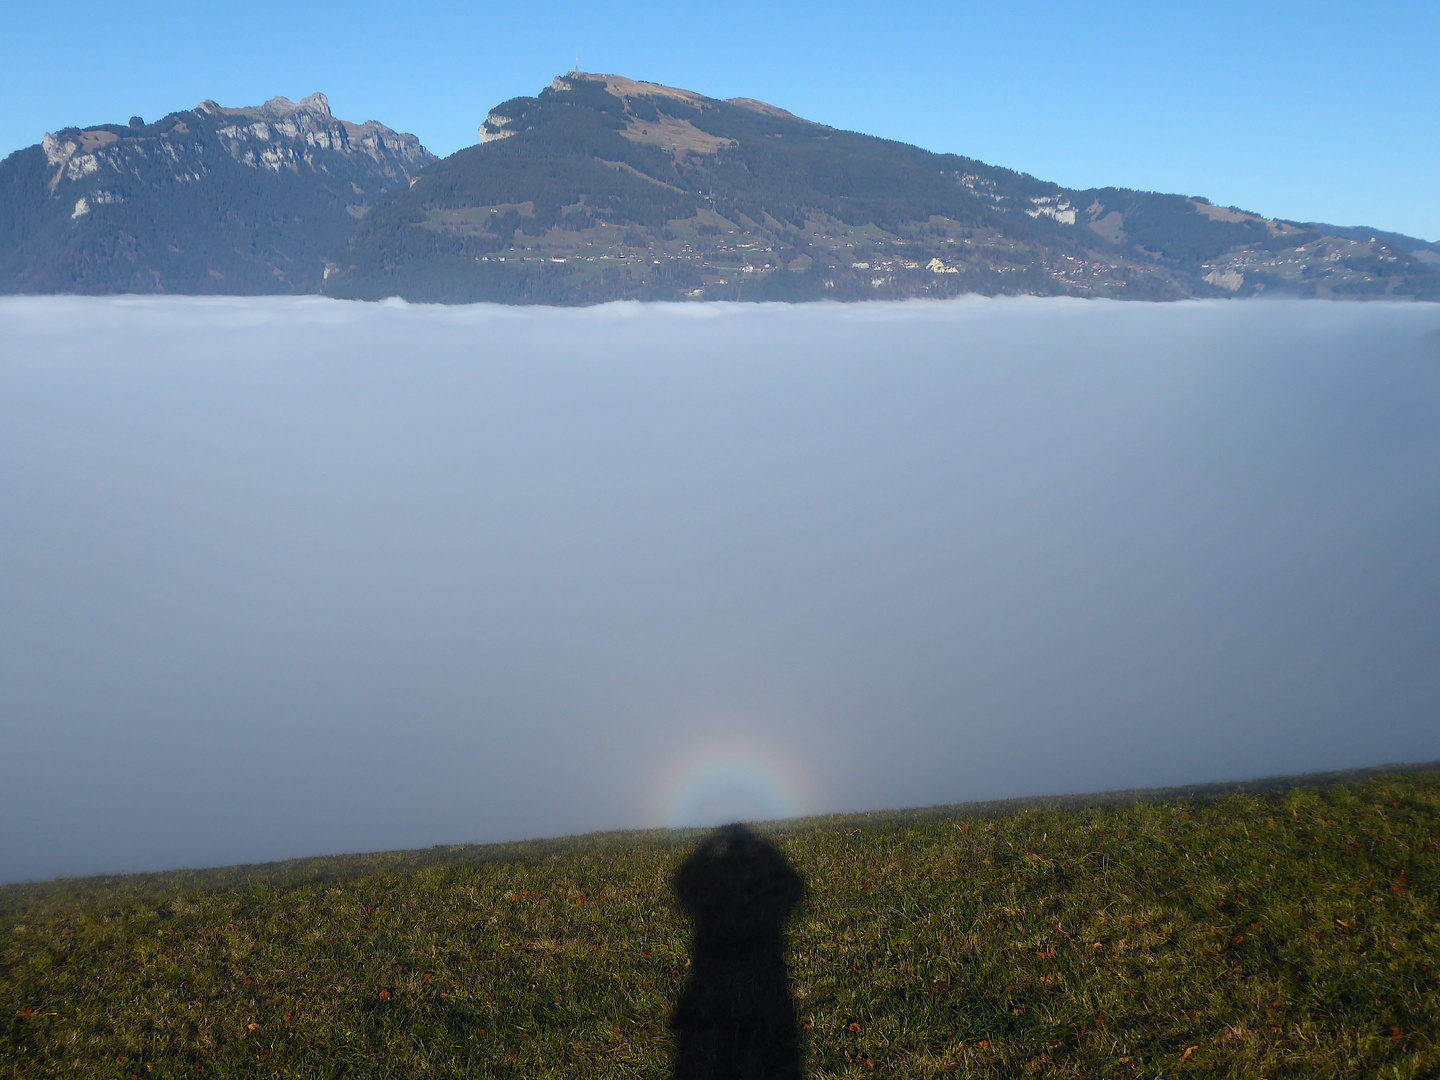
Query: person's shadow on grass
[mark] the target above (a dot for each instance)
(736, 1018)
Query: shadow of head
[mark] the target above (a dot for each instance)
(736, 1018)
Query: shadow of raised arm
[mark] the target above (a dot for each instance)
(736, 1018)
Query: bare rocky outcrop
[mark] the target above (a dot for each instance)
(214, 198)
(278, 135)
(289, 128)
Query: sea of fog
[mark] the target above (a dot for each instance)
(291, 576)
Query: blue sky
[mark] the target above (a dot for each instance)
(1313, 111)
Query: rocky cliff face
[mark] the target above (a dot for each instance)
(284, 134)
(212, 199)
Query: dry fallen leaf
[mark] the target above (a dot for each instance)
(854, 1026)
(1188, 1051)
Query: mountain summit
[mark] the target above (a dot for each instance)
(209, 200)
(603, 187)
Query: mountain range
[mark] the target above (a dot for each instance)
(601, 187)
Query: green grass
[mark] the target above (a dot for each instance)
(1289, 932)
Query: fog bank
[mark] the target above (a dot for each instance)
(294, 576)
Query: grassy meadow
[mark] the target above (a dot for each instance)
(1283, 930)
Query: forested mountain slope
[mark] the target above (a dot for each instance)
(602, 188)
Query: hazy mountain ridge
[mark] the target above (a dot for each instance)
(209, 200)
(602, 187)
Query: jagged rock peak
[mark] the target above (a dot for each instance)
(277, 108)
(280, 107)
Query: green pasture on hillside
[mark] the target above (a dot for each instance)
(1284, 931)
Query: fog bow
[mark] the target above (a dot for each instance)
(293, 576)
